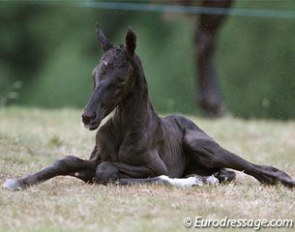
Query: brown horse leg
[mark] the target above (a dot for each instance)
(205, 36)
(208, 153)
(69, 165)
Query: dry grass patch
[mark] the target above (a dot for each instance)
(31, 139)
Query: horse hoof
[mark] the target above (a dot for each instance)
(289, 183)
(12, 185)
(212, 180)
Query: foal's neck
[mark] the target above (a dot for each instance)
(136, 111)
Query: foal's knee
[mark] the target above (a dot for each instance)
(64, 165)
(205, 150)
(64, 162)
(106, 173)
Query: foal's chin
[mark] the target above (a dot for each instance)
(91, 126)
(100, 115)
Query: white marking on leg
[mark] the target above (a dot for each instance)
(212, 180)
(183, 182)
(12, 184)
(191, 181)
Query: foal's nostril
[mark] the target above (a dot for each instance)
(87, 119)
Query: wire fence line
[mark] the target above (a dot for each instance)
(136, 6)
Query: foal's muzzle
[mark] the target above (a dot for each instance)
(86, 119)
(91, 120)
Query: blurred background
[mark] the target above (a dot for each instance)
(48, 51)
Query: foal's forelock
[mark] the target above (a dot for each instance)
(116, 57)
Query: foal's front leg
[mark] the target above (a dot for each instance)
(152, 166)
(67, 166)
(125, 174)
(112, 172)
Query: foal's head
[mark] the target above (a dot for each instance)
(113, 78)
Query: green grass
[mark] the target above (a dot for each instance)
(32, 138)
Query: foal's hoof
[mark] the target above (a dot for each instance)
(289, 183)
(211, 180)
(12, 185)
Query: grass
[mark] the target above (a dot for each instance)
(32, 138)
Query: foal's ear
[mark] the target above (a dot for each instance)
(130, 41)
(104, 42)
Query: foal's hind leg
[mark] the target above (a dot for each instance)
(69, 165)
(225, 176)
(208, 153)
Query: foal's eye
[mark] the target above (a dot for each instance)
(121, 81)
